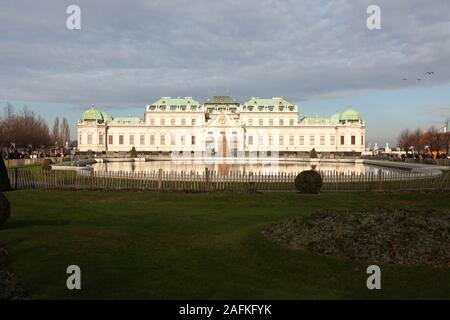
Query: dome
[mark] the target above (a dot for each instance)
(92, 114)
(350, 115)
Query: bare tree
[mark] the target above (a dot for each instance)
(405, 139)
(56, 132)
(65, 132)
(23, 129)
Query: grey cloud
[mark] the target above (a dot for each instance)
(128, 54)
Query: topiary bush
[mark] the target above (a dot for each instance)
(133, 153)
(5, 209)
(46, 165)
(4, 180)
(313, 154)
(309, 181)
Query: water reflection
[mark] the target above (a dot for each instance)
(225, 167)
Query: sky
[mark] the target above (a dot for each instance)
(318, 54)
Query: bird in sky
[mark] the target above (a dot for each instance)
(418, 79)
(430, 73)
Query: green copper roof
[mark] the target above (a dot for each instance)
(264, 103)
(92, 114)
(168, 101)
(335, 117)
(350, 115)
(315, 120)
(106, 116)
(221, 100)
(126, 120)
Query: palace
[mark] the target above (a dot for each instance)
(222, 127)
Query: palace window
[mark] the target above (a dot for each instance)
(152, 121)
(250, 122)
(121, 139)
(89, 138)
(270, 122)
(183, 122)
(162, 139)
(281, 122)
(152, 139)
(193, 121)
(163, 122)
(353, 139)
(193, 140)
(261, 140)
(172, 122)
(291, 122)
(110, 139)
(80, 141)
(302, 140)
(342, 139)
(362, 140)
(250, 140)
(322, 140)
(132, 139)
(100, 139)
(291, 139)
(142, 139)
(332, 140)
(270, 140)
(261, 122)
(172, 139)
(281, 140)
(183, 140)
(311, 140)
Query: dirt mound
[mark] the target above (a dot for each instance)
(393, 236)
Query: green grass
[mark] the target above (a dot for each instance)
(175, 245)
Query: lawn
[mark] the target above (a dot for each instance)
(194, 245)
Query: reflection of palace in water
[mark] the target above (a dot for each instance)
(222, 127)
(228, 166)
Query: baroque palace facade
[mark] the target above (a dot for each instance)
(222, 127)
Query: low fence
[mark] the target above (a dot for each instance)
(10, 163)
(232, 181)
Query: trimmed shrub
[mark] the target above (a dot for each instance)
(313, 154)
(308, 181)
(5, 209)
(133, 153)
(46, 165)
(4, 180)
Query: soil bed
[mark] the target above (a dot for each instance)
(391, 236)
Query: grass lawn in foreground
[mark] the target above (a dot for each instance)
(188, 246)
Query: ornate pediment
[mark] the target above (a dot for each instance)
(224, 120)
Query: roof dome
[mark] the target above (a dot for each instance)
(92, 114)
(350, 115)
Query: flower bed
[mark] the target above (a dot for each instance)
(392, 236)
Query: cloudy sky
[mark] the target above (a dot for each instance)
(317, 53)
